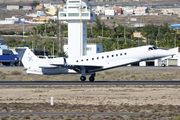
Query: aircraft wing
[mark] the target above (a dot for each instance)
(74, 67)
(78, 68)
(118, 63)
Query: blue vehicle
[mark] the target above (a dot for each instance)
(7, 58)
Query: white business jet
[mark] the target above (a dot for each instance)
(88, 64)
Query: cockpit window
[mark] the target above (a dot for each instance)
(150, 48)
(153, 48)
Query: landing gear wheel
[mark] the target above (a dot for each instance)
(82, 78)
(163, 65)
(91, 79)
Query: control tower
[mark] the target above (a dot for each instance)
(77, 13)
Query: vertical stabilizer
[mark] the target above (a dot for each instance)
(27, 57)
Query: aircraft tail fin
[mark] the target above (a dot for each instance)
(27, 57)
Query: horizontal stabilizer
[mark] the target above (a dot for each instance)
(78, 67)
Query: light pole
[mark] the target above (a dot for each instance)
(102, 30)
(125, 33)
(44, 51)
(156, 40)
(53, 48)
(45, 29)
(177, 29)
(148, 40)
(91, 27)
(157, 35)
(118, 44)
(175, 40)
(33, 45)
(23, 29)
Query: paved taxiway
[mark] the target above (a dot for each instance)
(90, 83)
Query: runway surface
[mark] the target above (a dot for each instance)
(90, 83)
(74, 113)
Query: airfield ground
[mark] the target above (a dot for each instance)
(117, 74)
(161, 102)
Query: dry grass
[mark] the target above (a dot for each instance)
(110, 75)
(44, 107)
(101, 76)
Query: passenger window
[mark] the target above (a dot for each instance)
(108, 56)
(121, 54)
(86, 59)
(116, 54)
(77, 61)
(124, 53)
(82, 60)
(112, 55)
(92, 58)
(97, 57)
(102, 57)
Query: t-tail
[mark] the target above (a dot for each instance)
(27, 57)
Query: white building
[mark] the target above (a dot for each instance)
(27, 7)
(77, 13)
(128, 10)
(12, 19)
(13, 7)
(38, 14)
(141, 10)
(90, 49)
(109, 12)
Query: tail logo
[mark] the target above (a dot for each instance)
(30, 58)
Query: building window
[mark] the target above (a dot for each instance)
(73, 7)
(92, 58)
(74, 1)
(73, 14)
(88, 49)
(62, 14)
(85, 14)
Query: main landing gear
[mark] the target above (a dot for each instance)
(82, 78)
(91, 78)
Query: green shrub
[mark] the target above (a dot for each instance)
(177, 117)
(50, 34)
(2, 75)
